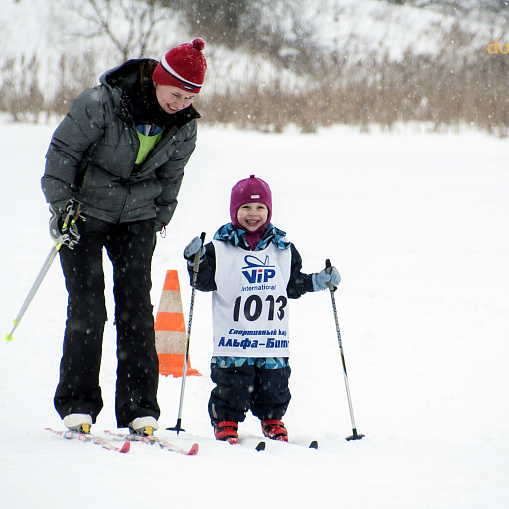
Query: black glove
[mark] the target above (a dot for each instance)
(63, 226)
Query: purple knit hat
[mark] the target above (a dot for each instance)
(250, 190)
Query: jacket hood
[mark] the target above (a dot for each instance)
(125, 76)
(123, 81)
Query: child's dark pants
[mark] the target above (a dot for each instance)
(249, 387)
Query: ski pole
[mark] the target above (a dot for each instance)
(178, 426)
(355, 435)
(37, 283)
(44, 270)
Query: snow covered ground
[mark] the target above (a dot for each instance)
(417, 226)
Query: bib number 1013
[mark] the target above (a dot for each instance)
(254, 307)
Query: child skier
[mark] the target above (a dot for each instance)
(252, 270)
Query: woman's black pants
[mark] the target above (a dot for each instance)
(129, 247)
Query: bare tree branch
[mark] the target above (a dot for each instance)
(102, 18)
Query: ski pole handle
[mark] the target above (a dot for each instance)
(328, 269)
(197, 257)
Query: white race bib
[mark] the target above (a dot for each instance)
(250, 305)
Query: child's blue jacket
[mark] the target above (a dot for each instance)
(299, 283)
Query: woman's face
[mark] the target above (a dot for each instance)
(173, 99)
(252, 215)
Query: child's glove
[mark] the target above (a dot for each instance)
(321, 280)
(191, 249)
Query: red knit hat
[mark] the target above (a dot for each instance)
(183, 67)
(250, 190)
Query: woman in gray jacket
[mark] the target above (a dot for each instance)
(113, 172)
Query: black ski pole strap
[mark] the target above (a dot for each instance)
(196, 259)
(328, 269)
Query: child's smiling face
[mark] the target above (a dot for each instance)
(252, 215)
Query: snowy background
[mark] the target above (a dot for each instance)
(354, 28)
(417, 226)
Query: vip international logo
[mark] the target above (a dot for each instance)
(256, 271)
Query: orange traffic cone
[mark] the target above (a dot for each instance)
(171, 330)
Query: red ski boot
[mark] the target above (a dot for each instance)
(227, 431)
(275, 430)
